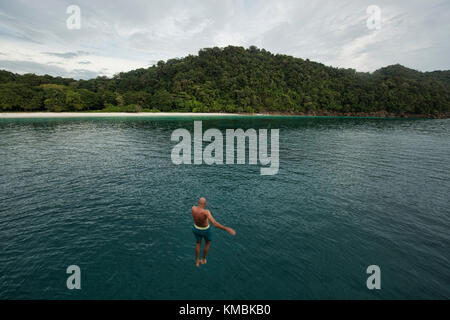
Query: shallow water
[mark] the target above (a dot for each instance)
(103, 194)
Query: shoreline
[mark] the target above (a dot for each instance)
(13, 115)
(379, 114)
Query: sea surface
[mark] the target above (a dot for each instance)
(103, 194)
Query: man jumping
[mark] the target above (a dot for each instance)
(202, 229)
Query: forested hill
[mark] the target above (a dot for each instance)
(235, 79)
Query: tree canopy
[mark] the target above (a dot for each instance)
(235, 79)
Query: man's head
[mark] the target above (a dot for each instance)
(202, 202)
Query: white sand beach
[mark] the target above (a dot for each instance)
(108, 114)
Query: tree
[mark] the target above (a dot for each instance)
(163, 100)
(235, 79)
(55, 100)
(74, 101)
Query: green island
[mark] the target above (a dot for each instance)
(237, 80)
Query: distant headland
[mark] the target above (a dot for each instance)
(238, 81)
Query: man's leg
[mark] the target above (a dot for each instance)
(197, 252)
(205, 251)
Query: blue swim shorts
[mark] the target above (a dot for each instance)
(202, 233)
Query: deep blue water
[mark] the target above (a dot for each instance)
(103, 194)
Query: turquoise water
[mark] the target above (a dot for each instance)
(103, 194)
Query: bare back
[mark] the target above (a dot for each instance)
(200, 216)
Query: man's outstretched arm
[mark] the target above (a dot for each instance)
(218, 225)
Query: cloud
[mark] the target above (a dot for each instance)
(133, 34)
(23, 67)
(67, 55)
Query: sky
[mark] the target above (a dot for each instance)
(43, 37)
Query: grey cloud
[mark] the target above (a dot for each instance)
(414, 32)
(67, 55)
(22, 67)
(83, 74)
